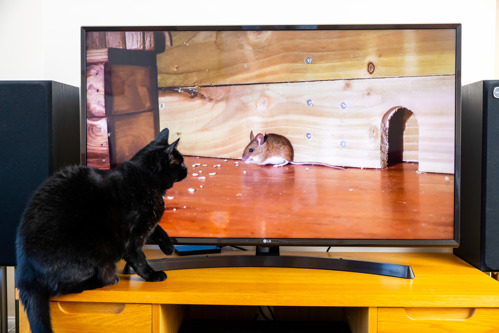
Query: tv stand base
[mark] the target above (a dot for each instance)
(339, 264)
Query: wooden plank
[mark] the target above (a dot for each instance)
(101, 317)
(131, 89)
(203, 58)
(134, 40)
(131, 40)
(115, 90)
(23, 320)
(149, 41)
(96, 103)
(170, 319)
(96, 40)
(341, 126)
(411, 140)
(392, 320)
(98, 143)
(97, 56)
(362, 320)
(115, 39)
(129, 133)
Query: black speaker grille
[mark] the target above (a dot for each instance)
(30, 114)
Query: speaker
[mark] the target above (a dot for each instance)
(39, 133)
(479, 243)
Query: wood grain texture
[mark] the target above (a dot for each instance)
(89, 317)
(130, 89)
(98, 143)
(22, 318)
(96, 100)
(101, 317)
(237, 57)
(170, 318)
(149, 41)
(394, 320)
(130, 133)
(229, 199)
(130, 40)
(121, 87)
(97, 55)
(134, 40)
(343, 119)
(115, 39)
(442, 280)
(363, 320)
(96, 40)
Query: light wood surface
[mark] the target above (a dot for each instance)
(238, 57)
(345, 123)
(130, 40)
(436, 320)
(106, 317)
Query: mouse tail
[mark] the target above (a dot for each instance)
(35, 299)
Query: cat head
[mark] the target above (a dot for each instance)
(162, 160)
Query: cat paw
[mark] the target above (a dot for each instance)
(115, 281)
(156, 276)
(111, 281)
(167, 248)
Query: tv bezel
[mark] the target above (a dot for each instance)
(319, 242)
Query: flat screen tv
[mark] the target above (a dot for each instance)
(377, 106)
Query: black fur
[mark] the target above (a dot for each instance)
(82, 221)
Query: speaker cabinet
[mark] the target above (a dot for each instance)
(39, 133)
(479, 244)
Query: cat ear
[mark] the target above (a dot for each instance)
(163, 136)
(260, 138)
(170, 148)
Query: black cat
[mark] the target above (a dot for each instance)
(82, 221)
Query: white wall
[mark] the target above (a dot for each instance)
(40, 39)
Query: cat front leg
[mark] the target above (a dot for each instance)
(161, 238)
(137, 259)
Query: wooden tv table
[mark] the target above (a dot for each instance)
(446, 295)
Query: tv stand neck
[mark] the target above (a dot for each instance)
(267, 251)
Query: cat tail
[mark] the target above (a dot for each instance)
(35, 299)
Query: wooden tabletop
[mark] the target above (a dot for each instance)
(442, 280)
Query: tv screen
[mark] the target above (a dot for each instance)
(371, 113)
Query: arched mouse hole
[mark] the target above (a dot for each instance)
(399, 137)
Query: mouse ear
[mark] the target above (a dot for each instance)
(260, 139)
(252, 136)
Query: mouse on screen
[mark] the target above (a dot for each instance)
(270, 148)
(273, 149)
